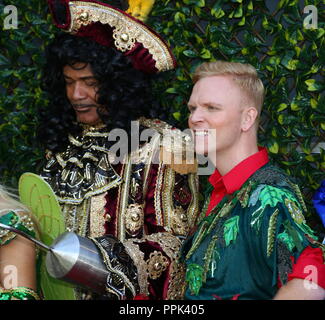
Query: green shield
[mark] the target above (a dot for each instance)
(39, 197)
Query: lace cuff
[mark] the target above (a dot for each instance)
(122, 281)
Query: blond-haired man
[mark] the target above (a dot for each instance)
(252, 238)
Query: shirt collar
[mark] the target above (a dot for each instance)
(237, 176)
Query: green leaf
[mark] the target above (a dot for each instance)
(179, 17)
(190, 53)
(274, 133)
(242, 21)
(229, 50)
(274, 147)
(217, 12)
(313, 103)
(239, 12)
(286, 238)
(265, 23)
(294, 106)
(293, 3)
(205, 54)
(282, 106)
(257, 216)
(194, 277)
(198, 3)
(282, 3)
(171, 90)
(245, 51)
(310, 158)
(177, 115)
(313, 85)
(271, 196)
(231, 228)
(4, 60)
(320, 33)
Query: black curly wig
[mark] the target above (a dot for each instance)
(124, 91)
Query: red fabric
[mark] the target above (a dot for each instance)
(60, 13)
(236, 177)
(141, 59)
(310, 266)
(141, 297)
(112, 198)
(97, 32)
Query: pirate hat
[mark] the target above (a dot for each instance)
(112, 27)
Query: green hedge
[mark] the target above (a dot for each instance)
(288, 57)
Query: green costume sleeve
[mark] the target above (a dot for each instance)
(21, 222)
(278, 218)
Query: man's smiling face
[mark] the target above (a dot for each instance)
(215, 115)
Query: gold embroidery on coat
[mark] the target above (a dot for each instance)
(179, 221)
(156, 264)
(134, 218)
(157, 195)
(167, 200)
(177, 284)
(171, 247)
(193, 208)
(125, 188)
(138, 257)
(97, 216)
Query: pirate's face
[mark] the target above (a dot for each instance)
(81, 89)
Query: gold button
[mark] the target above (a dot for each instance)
(135, 217)
(157, 266)
(84, 16)
(124, 37)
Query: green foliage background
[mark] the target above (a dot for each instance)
(267, 34)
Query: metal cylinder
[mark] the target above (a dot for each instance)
(77, 260)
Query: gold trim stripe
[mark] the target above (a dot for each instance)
(194, 205)
(124, 199)
(167, 198)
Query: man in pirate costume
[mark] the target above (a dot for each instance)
(136, 211)
(252, 238)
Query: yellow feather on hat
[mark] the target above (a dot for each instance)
(140, 9)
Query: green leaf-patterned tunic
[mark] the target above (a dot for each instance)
(242, 249)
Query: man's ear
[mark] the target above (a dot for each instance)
(249, 116)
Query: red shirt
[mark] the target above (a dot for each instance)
(310, 264)
(236, 177)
